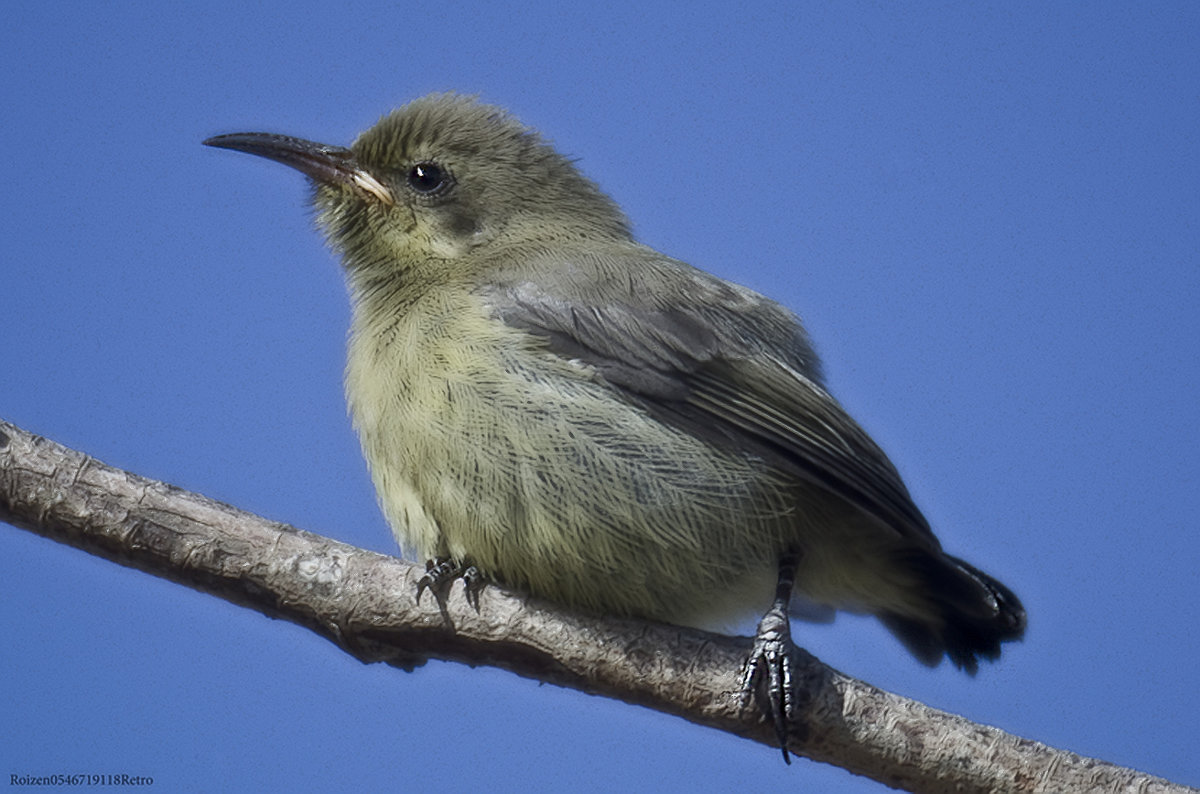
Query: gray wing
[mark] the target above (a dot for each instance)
(716, 359)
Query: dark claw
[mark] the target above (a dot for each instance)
(772, 655)
(438, 572)
(441, 571)
(473, 583)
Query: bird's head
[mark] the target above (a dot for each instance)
(441, 182)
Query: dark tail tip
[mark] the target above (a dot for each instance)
(972, 615)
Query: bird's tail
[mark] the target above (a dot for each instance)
(970, 613)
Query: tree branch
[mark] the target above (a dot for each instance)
(365, 604)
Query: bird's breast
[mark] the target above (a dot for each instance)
(484, 445)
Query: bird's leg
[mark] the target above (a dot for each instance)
(441, 571)
(771, 657)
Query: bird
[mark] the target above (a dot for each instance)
(548, 404)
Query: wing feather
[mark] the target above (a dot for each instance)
(718, 360)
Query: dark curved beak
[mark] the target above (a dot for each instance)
(331, 165)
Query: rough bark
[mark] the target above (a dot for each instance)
(365, 603)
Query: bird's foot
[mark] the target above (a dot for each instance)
(440, 572)
(768, 675)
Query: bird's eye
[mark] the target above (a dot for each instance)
(427, 178)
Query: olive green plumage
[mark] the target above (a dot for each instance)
(588, 420)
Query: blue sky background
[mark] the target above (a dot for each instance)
(988, 216)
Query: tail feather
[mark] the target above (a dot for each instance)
(971, 614)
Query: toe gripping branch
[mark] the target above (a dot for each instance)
(771, 665)
(441, 572)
